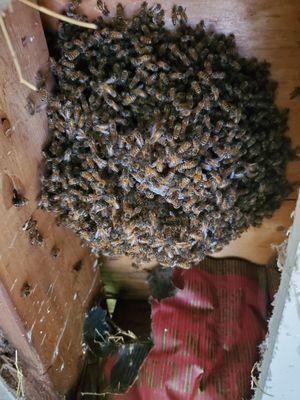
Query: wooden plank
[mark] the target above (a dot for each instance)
(50, 295)
(36, 382)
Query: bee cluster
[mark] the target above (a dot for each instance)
(165, 144)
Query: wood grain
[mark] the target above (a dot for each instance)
(52, 314)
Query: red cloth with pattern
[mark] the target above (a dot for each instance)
(206, 338)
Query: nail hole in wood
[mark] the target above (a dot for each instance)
(26, 289)
(54, 252)
(5, 124)
(12, 191)
(77, 266)
(18, 200)
(26, 40)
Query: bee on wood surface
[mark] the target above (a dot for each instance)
(181, 12)
(18, 200)
(174, 15)
(103, 7)
(35, 237)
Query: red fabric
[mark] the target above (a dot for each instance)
(206, 339)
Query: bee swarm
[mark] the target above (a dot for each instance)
(165, 144)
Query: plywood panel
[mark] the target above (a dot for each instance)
(49, 295)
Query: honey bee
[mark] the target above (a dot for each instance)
(115, 35)
(18, 200)
(81, 122)
(177, 131)
(184, 147)
(120, 14)
(184, 109)
(204, 138)
(159, 17)
(138, 138)
(225, 106)
(101, 164)
(108, 89)
(236, 115)
(146, 58)
(112, 166)
(68, 64)
(200, 106)
(218, 126)
(156, 132)
(172, 94)
(217, 178)
(188, 165)
(139, 92)
(159, 96)
(103, 7)
(218, 75)
(155, 8)
(72, 55)
(111, 103)
(196, 87)
(87, 176)
(73, 75)
(295, 93)
(173, 160)
(163, 65)
(235, 65)
(207, 122)
(151, 80)
(174, 15)
(204, 77)
(184, 183)
(176, 76)
(129, 99)
(35, 237)
(193, 53)
(197, 176)
(182, 14)
(175, 51)
(215, 93)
